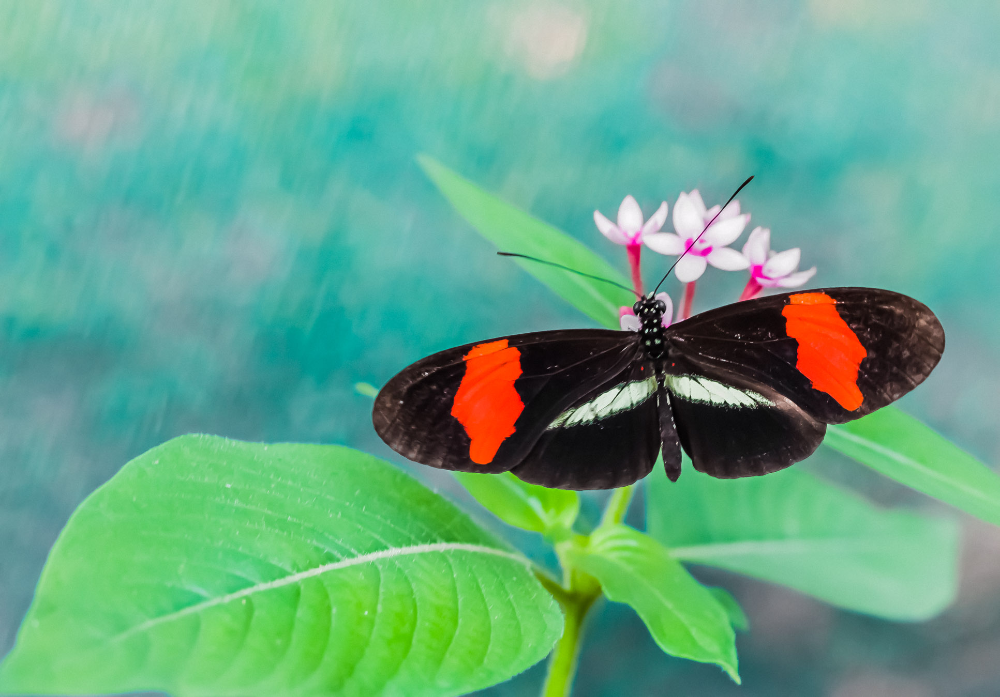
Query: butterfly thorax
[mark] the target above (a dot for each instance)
(652, 335)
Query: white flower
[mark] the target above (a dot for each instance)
(773, 270)
(690, 218)
(630, 229)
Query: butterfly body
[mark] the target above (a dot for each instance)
(652, 334)
(744, 389)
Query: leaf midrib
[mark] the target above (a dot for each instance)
(905, 460)
(694, 553)
(445, 179)
(392, 553)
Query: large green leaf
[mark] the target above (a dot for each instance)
(683, 616)
(513, 230)
(902, 448)
(215, 567)
(794, 529)
(551, 512)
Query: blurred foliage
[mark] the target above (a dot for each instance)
(794, 529)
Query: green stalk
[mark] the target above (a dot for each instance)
(617, 507)
(576, 596)
(562, 665)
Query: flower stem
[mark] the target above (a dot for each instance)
(617, 507)
(634, 252)
(751, 291)
(576, 596)
(562, 666)
(687, 301)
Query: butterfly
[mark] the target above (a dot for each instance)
(745, 389)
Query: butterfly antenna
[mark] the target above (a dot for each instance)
(566, 268)
(688, 248)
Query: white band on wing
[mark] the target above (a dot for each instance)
(619, 398)
(694, 388)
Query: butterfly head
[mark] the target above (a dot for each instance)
(649, 309)
(650, 312)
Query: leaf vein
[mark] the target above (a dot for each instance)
(437, 547)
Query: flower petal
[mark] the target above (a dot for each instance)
(757, 246)
(629, 217)
(688, 222)
(730, 211)
(655, 221)
(727, 259)
(630, 323)
(609, 229)
(725, 232)
(669, 313)
(797, 279)
(782, 264)
(665, 243)
(699, 205)
(690, 268)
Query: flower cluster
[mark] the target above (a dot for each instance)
(690, 219)
(770, 269)
(701, 238)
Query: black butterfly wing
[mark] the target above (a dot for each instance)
(482, 407)
(838, 353)
(753, 384)
(606, 439)
(732, 427)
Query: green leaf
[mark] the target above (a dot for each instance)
(794, 529)
(551, 512)
(899, 446)
(737, 617)
(513, 230)
(210, 566)
(366, 389)
(684, 617)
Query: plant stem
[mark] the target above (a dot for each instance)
(576, 596)
(751, 291)
(617, 506)
(687, 301)
(634, 254)
(562, 666)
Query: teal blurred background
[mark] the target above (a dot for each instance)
(211, 220)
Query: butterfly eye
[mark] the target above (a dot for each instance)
(636, 308)
(661, 306)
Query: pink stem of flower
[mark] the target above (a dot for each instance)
(687, 301)
(634, 252)
(752, 290)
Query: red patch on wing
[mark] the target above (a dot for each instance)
(829, 352)
(486, 404)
